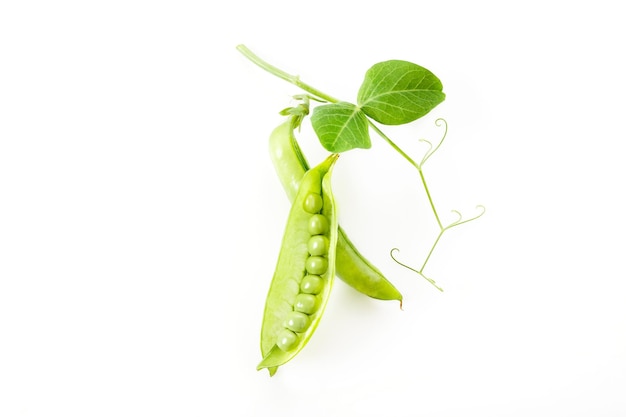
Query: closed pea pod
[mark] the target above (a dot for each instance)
(351, 266)
(295, 303)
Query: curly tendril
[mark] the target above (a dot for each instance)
(460, 220)
(432, 281)
(430, 150)
(301, 110)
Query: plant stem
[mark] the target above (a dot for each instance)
(412, 162)
(293, 79)
(430, 200)
(312, 90)
(393, 145)
(432, 249)
(417, 166)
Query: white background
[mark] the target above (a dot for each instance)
(140, 216)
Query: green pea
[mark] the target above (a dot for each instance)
(318, 224)
(305, 303)
(297, 321)
(312, 284)
(318, 245)
(316, 265)
(313, 203)
(286, 340)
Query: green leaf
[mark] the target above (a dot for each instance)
(397, 92)
(340, 127)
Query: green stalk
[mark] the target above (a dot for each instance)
(293, 79)
(412, 162)
(393, 145)
(417, 166)
(430, 200)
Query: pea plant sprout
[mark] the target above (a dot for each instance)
(393, 92)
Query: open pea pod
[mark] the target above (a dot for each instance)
(352, 267)
(304, 272)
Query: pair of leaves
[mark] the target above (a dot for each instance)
(393, 93)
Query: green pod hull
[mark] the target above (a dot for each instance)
(292, 267)
(352, 267)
